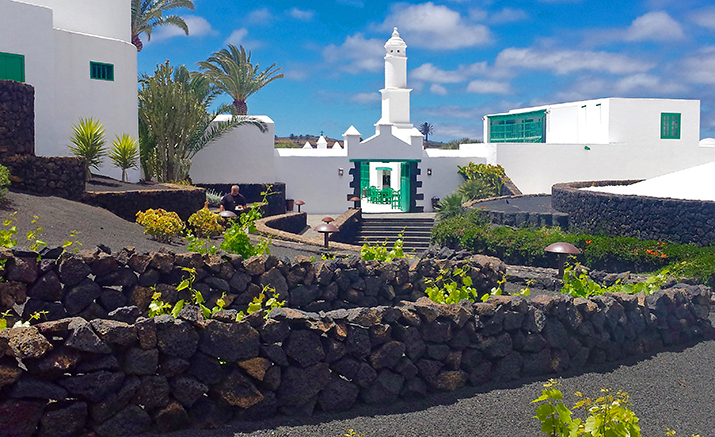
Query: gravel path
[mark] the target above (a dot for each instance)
(674, 388)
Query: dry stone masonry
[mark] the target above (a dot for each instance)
(17, 119)
(364, 334)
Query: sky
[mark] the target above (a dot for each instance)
(466, 58)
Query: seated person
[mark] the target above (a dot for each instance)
(233, 201)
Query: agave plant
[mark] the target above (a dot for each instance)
(88, 143)
(476, 189)
(125, 153)
(451, 206)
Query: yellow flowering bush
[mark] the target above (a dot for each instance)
(160, 224)
(205, 223)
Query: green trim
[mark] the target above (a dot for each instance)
(384, 168)
(522, 127)
(670, 126)
(385, 160)
(12, 67)
(101, 71)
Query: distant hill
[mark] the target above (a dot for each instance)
(298, 141)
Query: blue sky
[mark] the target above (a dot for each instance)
(465, 58)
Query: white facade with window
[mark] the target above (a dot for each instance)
(601, 139)
(79, 58)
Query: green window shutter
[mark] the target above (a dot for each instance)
(526, 127)
(670, 126)
(12, 67)
(101, 71)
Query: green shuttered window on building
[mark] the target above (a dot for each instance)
(670, 126)
(12, 67)
(526, 127)
(101, 71)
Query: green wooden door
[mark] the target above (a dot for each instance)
(405, 187)
(364, 178)
(12, 67)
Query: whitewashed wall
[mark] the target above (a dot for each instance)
(57, 65)
(637, 122)
(242, 155)
(106, 18)
(316, 181)
(444, 179)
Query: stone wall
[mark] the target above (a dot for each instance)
(521, 219)
(124, 374)
(17, 119)
(52, 176)
(290, 222)
(646, 218)
(252, 193)
(184, 200)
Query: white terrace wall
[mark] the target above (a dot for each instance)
(444, 179)
(242, 155)
(57, 64)
(534, 168)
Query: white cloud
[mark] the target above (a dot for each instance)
(488, 87)
(654, 26)
(365, 97)
(438, 89)
(646, 83)
(435, 27)
(356, 54)
(198, 26)
(569, 61)
(705, 17)
(301, 14)
(430, 73)
(237, 37)
(700, 67)
(508, 15)
(260, 16)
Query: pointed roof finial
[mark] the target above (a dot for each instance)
(395, 33)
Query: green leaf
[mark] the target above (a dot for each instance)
(206, 312)
(177, 308)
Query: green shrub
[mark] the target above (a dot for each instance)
(451, 286)
(88, 143)
(205, 224)
(450, 206)
(379, 252)
(474, 189)
(492, 175)
(160, 224)
(262, 302)
(125, 153)
(4, 182)
(578, 284)
(236, 238)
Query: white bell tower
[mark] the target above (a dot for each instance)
(395, 95)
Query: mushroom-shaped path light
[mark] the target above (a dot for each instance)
(356, 200)
(227, 214)
(563, 249)
(326, 229)
(299, 203)
(327, 220)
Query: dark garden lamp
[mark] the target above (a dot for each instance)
(356, 200)
(326, 229)
(563, 249)
(327, 220)
(299, 203)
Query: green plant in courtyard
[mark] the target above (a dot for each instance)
(213, 197)
(267, 300)
(451, 286)
(125, 153)
(492, 175)
(205, 223)
(451, 206)
(608, 415)
(4, 182)
(200, 245)
(578, 284)
(379, 251)
(236, 239)
(474, 189)
(88, 143)
(162, 225)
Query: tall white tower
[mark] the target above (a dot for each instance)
(395, 95)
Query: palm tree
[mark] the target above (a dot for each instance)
(426, 129)
(147, 14)
(175, 123)
(233, 73)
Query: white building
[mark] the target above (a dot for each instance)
(390, 171)
(611, 138)
(79, 57)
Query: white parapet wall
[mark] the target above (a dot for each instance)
(316, 180)
(242, 155)
(444, 179)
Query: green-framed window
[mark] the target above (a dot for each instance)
(670, 126)
(526, 127)
(101, 71)
(12, 67)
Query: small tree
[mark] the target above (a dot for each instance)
(88, 143)
(125, 153)
(426, 129)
